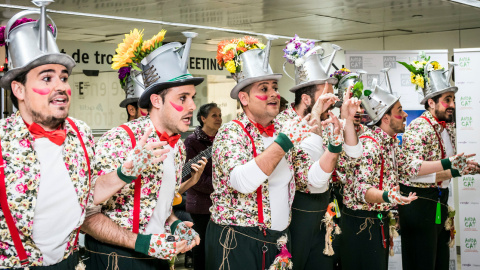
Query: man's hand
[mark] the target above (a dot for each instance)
(312, 122)
(350, 105)
(334, 130)
(143, 155)
(396, 198)
(157, 245)
(185, 232)
(324, 101)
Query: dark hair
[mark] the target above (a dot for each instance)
(307, 90)
(389, 112)
(204, 111)
(435, 99)
(162, 93)
(22, 78)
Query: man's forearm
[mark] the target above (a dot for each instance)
(442, 176)
(350, 135)
(106, 230)
(429, 167)
(328, 161)
(374, 195)
(269, 159)
(105, 186)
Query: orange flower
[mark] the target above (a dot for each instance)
(228, 56)
(250, 40)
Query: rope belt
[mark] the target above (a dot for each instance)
(317, 211)
(424, 198)
(115, 257)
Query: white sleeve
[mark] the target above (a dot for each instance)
(428, 178)
(318, 178)
(353, 151)
(313, 146)
(247, 178)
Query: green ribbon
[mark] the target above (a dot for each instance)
(181, 77)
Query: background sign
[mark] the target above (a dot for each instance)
(468, 140)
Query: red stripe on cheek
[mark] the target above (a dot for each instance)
(398, 116)
(69, 92)
(444, 104)
(42, 92)
(143, 113)
(262, 97)
(279, 97)
(177, 107)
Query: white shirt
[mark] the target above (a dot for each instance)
(57, 212)
(165, 197)
(248, 177)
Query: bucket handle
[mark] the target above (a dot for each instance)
(22, 14)
(284, 70)
(134, 78)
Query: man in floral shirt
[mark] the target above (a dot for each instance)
(372, 184)
(427, 233)
(45, 167)
(137, 222)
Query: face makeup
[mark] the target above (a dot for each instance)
(43, 92)
(263, 98)
(177, 107)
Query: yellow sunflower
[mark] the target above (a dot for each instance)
(154, 42)
(128, 49)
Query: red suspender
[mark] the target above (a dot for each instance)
(259, 189)
(438, 136)
(383, 161)
(22, 255)
(138, 187)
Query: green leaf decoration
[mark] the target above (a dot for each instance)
(357, 89)
(367, 92)
(409, 67)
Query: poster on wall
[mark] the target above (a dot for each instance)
(374, 61)
(468, 140)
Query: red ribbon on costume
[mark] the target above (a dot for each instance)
(269, 130)
(172, 140)
(57, 136)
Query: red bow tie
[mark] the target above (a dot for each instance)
(171, 140)
(442, 123)
(269, 130)
(57, 136)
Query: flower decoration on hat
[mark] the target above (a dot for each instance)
(339, 74)
(132, 50)
(17, 23)
(229, 50)
(296, 49)
(417, 70)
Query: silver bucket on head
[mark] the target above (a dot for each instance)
(310, 70)
(166, 67)
(254, 67)
(378, 103)
(134, 88)
(32, 44)
(349, 80)
(438, 83)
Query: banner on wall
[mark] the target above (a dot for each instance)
(468, 140)
(374, 61)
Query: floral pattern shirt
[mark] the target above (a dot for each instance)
(421, 142)
(232, 148)
(111, 152)
(22, 179)
(303, 162)
(364, 173)
(339, 174)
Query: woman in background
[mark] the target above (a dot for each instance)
(198, 196)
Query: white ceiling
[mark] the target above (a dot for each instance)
(327, 20)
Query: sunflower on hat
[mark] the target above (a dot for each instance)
(132, 50)
(229, 50)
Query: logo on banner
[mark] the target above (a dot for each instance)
(390, 61)
(356, 62)
(471, 244)
(405, 80)
(466, 101)
(466, 122)
(464, 61)
(470, 224)
(370, 78)
(468, 182)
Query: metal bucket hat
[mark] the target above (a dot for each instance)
(348, 80)
(251, 65)
(310, 70)
(166, 67)
(377, 102)
(134, 88)
(438, 82)
(32, 44)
